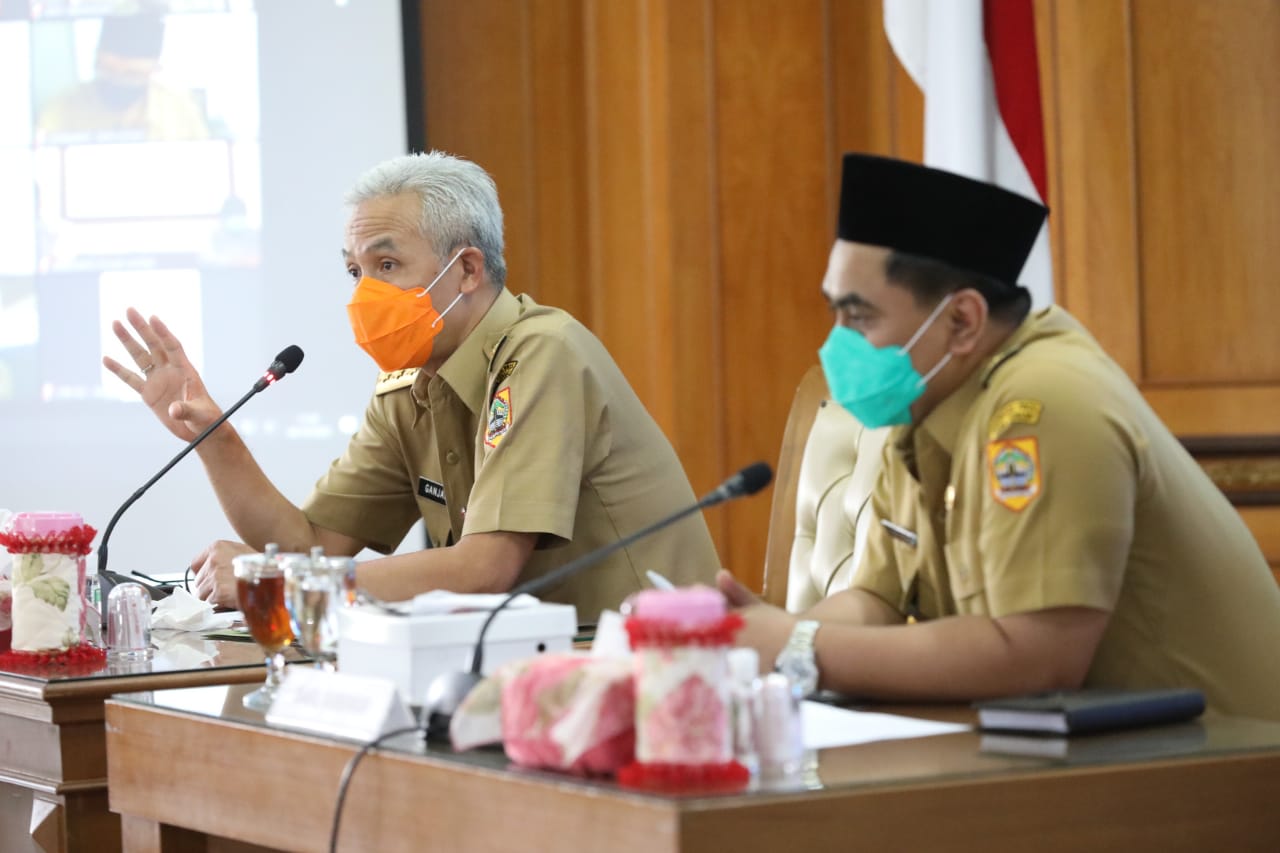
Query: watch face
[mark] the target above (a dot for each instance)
(801, 670)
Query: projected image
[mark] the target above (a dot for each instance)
(134, 140)
(130, 172)
(145, 136)
(18, 337)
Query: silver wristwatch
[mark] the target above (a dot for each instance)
(796, 660)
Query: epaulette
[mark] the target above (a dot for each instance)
(394, 379)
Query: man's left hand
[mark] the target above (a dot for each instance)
(215, 580)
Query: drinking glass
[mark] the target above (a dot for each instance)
(315, 590)
(260, 590)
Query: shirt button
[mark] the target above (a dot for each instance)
(451, 457)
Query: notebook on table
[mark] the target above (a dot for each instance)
(1089, 710)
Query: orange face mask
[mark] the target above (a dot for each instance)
(397, 327)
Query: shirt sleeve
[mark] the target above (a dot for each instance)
(545, 417)
(1068, 544)
(366, 493)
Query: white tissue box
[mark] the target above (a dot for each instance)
(412, 650)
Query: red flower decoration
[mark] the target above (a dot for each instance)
(74, 542)
(82, 659)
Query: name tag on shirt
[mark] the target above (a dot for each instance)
(431, 490)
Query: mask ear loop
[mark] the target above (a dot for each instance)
(440, 274)
(440, 316)
(924, 380)
(924, 327)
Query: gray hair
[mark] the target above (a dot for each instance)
(459, 203)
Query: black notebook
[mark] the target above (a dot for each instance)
(1125, 745)
(1093, 710)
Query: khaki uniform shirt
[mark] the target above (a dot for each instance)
(1047, 481)
(528, 427)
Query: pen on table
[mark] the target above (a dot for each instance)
(658, 581)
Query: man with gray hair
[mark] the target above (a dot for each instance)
(504, 425)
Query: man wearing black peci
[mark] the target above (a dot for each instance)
(1035, 517)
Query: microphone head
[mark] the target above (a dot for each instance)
(287, 361)
(754, 477)
(443, 698)
(748, 481)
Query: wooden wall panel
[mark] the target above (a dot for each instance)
(619, 246)
(775, 228)
(1167, 203)
(651, 213)
(669, 171)
(669, 174)
(555, 89)
(485, 119)
(1208, 132)
(875, 106)
(687, 185)
(1097, 277)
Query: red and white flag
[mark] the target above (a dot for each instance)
(975, 61)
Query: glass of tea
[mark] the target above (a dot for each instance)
(315, 590)
(260, 590)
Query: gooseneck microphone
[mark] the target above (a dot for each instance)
(446, 691)
(285, 363)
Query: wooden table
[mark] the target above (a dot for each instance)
(53, 754)
(192, 770)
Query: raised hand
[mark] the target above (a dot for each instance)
(164, 376)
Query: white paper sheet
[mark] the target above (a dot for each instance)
(827, 726)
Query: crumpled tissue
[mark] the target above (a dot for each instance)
(182, 611)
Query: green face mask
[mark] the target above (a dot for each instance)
(877, 385)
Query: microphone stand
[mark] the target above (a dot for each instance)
(446, 692)
(116, 578)
(572, 568)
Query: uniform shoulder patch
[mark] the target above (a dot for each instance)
(1017, 412)
(1013, 466)
(395, 379)
(501, 417)
(508, 368)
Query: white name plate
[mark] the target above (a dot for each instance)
(339, 704)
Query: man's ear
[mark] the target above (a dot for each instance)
(473, 269)
(967, 318)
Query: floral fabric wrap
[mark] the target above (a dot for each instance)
(6, 588)
(48, 606)
(570, 712)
